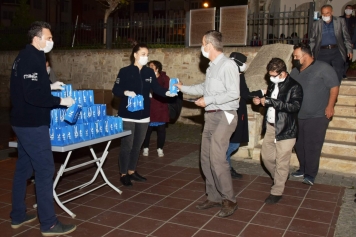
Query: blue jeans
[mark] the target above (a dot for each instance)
(231, 149)
(34, 154)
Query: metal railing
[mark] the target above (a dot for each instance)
(162, 32)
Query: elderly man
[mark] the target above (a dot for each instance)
(220, 99)
(282, 101)
(320, 89)
(330, 40)
(30, 92)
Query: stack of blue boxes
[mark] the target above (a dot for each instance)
(83, 121)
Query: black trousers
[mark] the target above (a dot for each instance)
(334, 58)
(161, 136)
(311, 136)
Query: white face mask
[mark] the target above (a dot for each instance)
(243, 67)
(48, 70)
(348, 11)
(48, 47)
(326, 18)
(143, 60)
(276, 79)
(205, 54)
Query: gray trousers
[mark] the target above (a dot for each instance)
(276, 158)
(215, 141)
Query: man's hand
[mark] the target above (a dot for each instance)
(130, 93)
(57, 86)
(200, 102)
(179, 85)
(256, 100)
(329, 112)
(350, 56)
(263, 100)
(68, 101)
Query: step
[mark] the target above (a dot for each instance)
(347, 89)
(343, 122)
(341, 134)
(339, 148)
(350, 81)
(346, 100)
(334, 163)
(345, 110)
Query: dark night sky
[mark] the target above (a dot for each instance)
(223, 3)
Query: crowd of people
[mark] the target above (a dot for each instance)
(298, 108)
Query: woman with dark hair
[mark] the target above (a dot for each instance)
(135, 79)
(159, 112)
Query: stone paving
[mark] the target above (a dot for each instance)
(346, 224)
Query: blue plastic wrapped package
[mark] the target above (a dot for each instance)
(91, 97)
(140, 102)
(173, 89)
(54, 118)
(97, 111)
(61, 115)
(92, 130)
(64, 136)
(81, 132)
(76, 136)
(117, 123)
(110, 120)
(135, 103)
(70, 134)
(68, 89)
(55, 134)
(86, 98)
(103, 111)
(97, 129)
(85, 128)
(89, 114)
(94, 113)
(101, 127)
(80, 117)
(73, 113)
(107, 130)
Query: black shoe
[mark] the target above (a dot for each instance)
(297, 174)
(234, 174)
(135, 176)
(125, 180)
(59, 229)
(308, 180)
(29, 218)
(273, 199)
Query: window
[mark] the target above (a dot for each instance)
(65, 6)
(37, 4)
(194, 5)
(7, 15)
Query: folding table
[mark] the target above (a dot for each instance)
(99, 162)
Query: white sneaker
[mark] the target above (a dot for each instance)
(145, 152)
(160, 152)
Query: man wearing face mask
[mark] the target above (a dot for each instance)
(30, 92)
(320, 87)
(330, 41)
(221, 92)
(351, 24)
(282, 101)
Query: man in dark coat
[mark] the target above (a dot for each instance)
(241, 133)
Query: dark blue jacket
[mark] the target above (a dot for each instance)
(30, 90)
(141, 82)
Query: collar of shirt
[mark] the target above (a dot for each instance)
(217, 59)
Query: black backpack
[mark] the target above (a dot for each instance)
(175, 106)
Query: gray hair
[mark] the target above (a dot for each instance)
(327, 6)
(215, 38)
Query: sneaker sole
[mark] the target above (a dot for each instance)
(297, 176)
(25, 222)
(62, 233)
(307, 182)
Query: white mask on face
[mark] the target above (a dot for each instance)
(276, 79)
(143, 60)
(326, 18)
(243, 67)
(48, 47)
(348, 11)
(205, 54)
(48, 70)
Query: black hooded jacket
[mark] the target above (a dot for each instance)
(287, 105)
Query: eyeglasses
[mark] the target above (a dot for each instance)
(275, 75)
